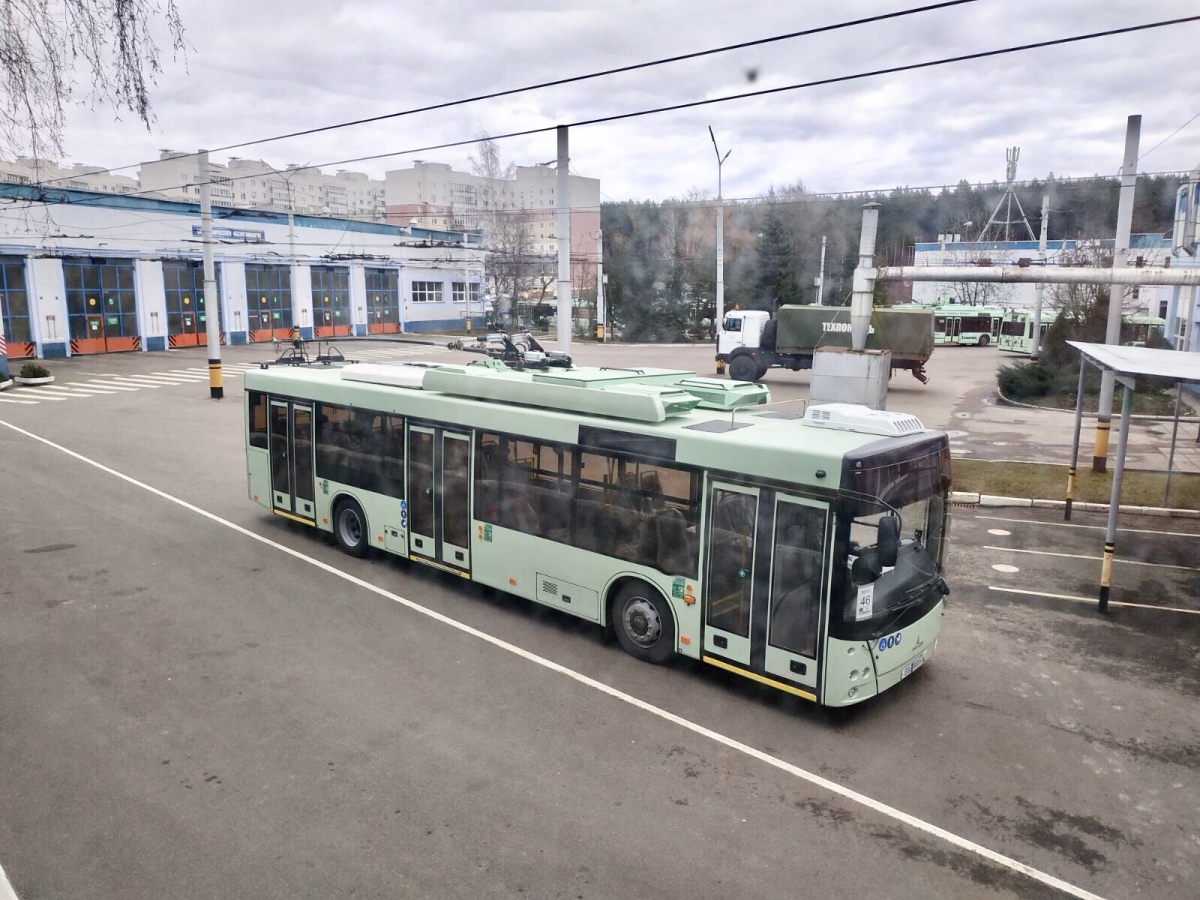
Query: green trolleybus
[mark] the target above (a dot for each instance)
(962, 323)
(801, 551)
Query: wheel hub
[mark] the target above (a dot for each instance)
(642, 623)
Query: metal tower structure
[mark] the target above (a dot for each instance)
(1006, 202)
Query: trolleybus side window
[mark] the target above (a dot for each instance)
(258, 420)
(638, 511)
(361, 448)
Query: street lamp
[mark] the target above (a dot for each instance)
(720, 316)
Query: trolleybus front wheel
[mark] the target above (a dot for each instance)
(644, 624)
(350, 527)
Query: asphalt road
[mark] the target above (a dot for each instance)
(203, 701)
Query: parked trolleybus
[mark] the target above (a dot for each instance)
(963, 323)
(1016, 331)
(803, 552)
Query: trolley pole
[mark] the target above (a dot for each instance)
(212, 303)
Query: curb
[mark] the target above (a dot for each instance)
(966, 498)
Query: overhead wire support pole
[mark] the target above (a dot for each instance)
(1114, 503)
(720, 310)
(564, 242)
(212, 303)
(1040, 288)
(1116, 297)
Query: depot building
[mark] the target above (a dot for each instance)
(84, 272)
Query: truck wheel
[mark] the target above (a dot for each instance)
(743, 368)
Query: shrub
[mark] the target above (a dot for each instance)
(33, 370)
(1025, 380)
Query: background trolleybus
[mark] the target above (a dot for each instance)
(803, 552)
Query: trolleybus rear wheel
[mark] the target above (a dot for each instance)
(984, 340)
(350, 527)
(643, 622)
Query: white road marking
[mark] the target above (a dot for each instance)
(1094, 601)
(812, 778)
(999, 532)
(71, 392)
(112, 385)
(146, 379)
(1127, 562)
(93, 388)
(6, 888)
(1006, 568)
(37, 392)
(1090, 527)
(21, 402)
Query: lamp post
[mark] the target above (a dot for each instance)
(720, 312)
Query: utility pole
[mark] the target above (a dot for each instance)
(564, 242)
(1116, 295)
(720, 314)
(821, 276)
(601, 312)
(212, 303)
(1040, 289)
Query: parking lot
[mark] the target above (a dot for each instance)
(202, 700)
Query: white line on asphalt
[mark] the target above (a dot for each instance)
(101, 374)
(36, 392)
(93, 388)
(1126, 562)
(1090, 527)
(833, 787)
(6, 888)
(71, 392)
(21, 402)
(1093, 601)
(116, 386)
(146, 379)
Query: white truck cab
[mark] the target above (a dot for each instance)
(740, 328)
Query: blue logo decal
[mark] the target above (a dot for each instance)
(889, 642)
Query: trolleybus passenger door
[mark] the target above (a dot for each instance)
(729, 581)
(797, 588)
(293, 490)
(439, 496)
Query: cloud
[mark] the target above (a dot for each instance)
(277, 66)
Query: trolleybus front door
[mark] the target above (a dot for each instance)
(293, 491)
(766, 581)
(439, 496)
(729, 587)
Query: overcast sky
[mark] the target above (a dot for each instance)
(263, 67)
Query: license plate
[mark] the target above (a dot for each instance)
(911, 667)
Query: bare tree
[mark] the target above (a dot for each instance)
(976, 293)
(45, 45)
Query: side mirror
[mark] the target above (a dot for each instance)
(888, 541)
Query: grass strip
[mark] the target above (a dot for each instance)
(1045, 481)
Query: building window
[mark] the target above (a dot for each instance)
(427, 292)
(458, 291)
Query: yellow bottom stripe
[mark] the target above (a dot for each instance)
(288, 515)
(770, 682)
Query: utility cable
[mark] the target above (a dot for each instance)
(573, 79)
(839, 79)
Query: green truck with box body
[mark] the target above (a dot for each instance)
(750, 341)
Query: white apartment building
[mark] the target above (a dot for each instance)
(435, 195)
(80, 177)
(254, 183)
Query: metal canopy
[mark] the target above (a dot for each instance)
(1126, 363)
(1170, 365)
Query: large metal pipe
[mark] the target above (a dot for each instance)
(864, 278)
(1044, 274)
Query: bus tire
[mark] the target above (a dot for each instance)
(743, 368)
(643, 622)
(984, 340)
(350, 527)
